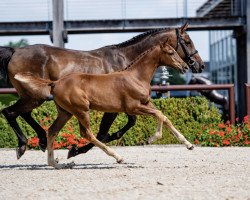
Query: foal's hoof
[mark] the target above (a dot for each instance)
(20, 151)
(190, 148)
(72, 152)
(43, 144)
(120, 160)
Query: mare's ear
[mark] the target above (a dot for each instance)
(184, 28)
(168, 49)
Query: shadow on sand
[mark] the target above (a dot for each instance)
(76, 167)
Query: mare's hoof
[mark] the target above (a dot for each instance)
(43, 144)
(191, 148)
(72, 152)
(20, 151)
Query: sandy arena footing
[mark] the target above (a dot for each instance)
(149, 172)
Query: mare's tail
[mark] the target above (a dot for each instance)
(35, 86)
(5, 56)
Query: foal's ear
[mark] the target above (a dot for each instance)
(184, 27)
(168, 49)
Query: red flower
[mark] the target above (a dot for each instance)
(229, 130)
(245, 119)
(239, 135)
(226, 142)
(246, 142)
(221, 125)
(33, 142)
(221, 133)
(196, 141)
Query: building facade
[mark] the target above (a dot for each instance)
(223, 59)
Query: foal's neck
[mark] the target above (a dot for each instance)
(144, 67)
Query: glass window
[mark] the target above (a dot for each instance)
(229, 49)
(233, 49)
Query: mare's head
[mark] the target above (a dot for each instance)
(184, 46)
(171, 58)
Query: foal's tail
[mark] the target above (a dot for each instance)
(36, 86)
(5, 56)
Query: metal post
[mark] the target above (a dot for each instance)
(231, 104)
(185, 8)
(248, 40)
(58, 25)
(248, 98)
(242, 65)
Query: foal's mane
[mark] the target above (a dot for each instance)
(132, 63)
(140, 37)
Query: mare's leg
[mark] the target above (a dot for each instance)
(61, 120)
(151, 110)
(84, 120)
(21, 107)
(117, 135)
(103, 135)
(41, 133)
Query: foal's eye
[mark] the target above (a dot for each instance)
(170, 52)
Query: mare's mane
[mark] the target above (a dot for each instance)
(140, 37)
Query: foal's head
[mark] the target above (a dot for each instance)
(184, 46)
(171, 58)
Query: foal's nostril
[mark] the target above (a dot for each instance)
(202, 66)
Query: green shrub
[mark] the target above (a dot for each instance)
(188, 115)
(5, 99)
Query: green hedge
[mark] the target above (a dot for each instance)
(188, 115)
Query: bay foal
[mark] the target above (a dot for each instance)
(125, 91)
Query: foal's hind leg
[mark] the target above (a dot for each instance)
(21, 107)
(62, 118)
(84, 120)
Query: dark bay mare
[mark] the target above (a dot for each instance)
(126, 91)
(53, 63)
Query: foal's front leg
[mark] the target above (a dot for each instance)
(158, 133)
(150, 109)
(177, 134)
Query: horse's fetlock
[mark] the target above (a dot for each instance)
(9, 114)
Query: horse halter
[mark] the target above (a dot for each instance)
(188, 57)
